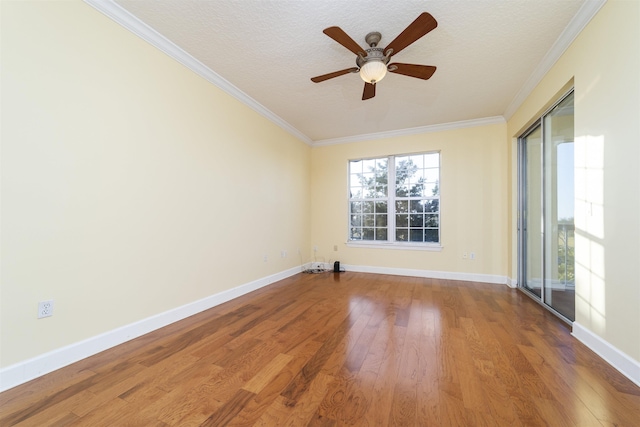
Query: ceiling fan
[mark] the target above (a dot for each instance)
(373, 62)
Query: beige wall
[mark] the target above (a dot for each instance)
(604, 65)
(130, 185)
(474, 201)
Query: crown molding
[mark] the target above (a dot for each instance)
(413, 131)
(586, 12)
(121, 16)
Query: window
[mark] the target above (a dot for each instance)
(407, 212)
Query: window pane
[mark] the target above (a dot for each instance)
(381, 207)
(416, 220)
(402, 206)
(432, 160)
(431, 189)
(402, 190)
(416, 189)
(367, 207)
(368, 165)
(431, 175)
(381, 234)
(416, 206)
(402, 220)
(355, 192)
(356, 207)
(402, 234)
(432, 205)
(356, 220)
(367, 233)
(418, 160)
(368, 220)
(355, 166)
(355, 234)
(431, 220)
(431, 235)
(381, 220)
(415, 235)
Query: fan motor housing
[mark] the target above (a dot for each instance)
(373, 54)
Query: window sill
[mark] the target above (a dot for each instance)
(432, 247)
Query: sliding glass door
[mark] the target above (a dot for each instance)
(546, 225)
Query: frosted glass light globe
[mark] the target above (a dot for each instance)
(373, 71)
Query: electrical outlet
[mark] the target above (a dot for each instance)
(45, 309)
(335, 248)
(283, 254)
(265, 258)
(472, 255)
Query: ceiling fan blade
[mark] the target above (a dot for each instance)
(369, 91)
(324, 77)
(423, 72)
(343, 38)
(418, 28)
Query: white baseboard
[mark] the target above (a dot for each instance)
(627, 366)
(446, 275)
(30, 369)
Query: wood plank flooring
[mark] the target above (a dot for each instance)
(342, 349)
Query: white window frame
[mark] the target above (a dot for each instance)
(391, 243)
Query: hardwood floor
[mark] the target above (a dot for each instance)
(342, 349)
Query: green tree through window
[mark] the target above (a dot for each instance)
(410, 212)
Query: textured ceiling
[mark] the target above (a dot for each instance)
(485, 51)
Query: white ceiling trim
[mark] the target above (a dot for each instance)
(145, 32)
(413, 131)
(586, 12)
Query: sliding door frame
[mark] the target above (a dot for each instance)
(523, 210)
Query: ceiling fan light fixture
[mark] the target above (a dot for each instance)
(371, 63)
(373, 71)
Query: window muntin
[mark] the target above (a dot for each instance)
(408, 213)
